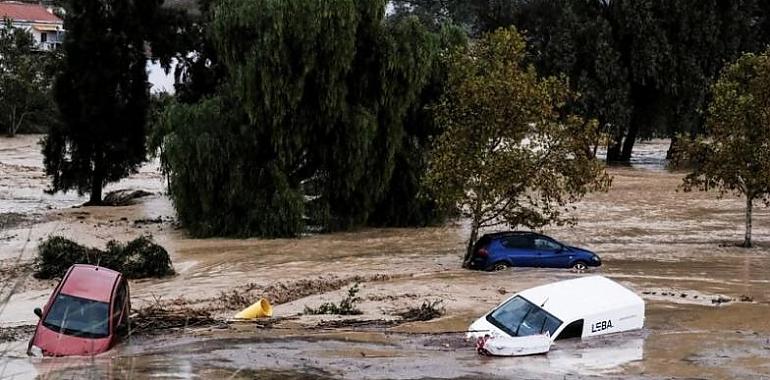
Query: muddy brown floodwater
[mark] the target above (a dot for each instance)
(675, 249)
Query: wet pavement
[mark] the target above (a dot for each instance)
(676, 249)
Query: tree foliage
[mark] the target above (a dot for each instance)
(734, 157)
(642, 67)
(222, 178)
(25, 77)
(102, 95)
(324, 89)
(509, 154)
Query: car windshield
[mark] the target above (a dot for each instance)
(519, 317)
(78, 316)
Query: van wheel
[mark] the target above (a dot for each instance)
(496, 267)
(579, 266)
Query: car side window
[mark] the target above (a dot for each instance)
(517, 242)
(120, 299)
(546, 244)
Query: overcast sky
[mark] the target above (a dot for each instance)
(159, 80)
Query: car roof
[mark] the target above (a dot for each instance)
(502, 234)
(578, 298)
(91, 282)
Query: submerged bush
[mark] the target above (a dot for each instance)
(139, 258)
(347, 305)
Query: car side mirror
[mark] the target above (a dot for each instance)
(38, 312)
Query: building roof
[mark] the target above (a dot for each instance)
(90, 282)
(18, 11)
(571, 300)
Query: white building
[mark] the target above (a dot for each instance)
(41, 22)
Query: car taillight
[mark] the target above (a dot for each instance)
(482, 252)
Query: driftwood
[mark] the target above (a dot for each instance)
(158, 317)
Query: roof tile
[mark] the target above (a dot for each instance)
(18, 11)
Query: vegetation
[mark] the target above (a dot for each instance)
(347, 305)
(220, 177)
(315, 124)
(102, 95)
(509, 155)
(25, 77)
(643, 67)
(425, 312)
(139, 258)
(734, 157)
(292, 115)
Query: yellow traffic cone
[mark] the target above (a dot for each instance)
(259, 309)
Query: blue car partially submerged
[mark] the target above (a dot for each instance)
(501, 250)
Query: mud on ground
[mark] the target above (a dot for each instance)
(659, 241)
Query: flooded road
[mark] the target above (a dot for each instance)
(675, 249)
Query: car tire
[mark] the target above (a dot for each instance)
(580, 266)
(498, 266)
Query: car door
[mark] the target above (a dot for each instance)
(519, 250)
(120, 310)
(550, 254)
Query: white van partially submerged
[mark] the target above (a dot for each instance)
(530, 321)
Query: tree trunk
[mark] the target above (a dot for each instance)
(97, 182)
(471, 242)
(747, 237)
(672, 149)
(613, 150)
(628, 144)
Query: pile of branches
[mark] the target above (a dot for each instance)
(284, 292)
(160, 316)
(139, 258)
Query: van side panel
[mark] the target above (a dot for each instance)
(615, 321)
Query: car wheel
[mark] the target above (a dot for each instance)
(496, 267)
(579, 266)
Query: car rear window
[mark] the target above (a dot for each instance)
(519, 317)
(78, 317)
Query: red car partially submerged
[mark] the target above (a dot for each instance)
(87, 314)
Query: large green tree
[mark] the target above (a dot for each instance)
(102, 95)
(734, 156)
(642, 67)
(25, 90)
(510, 154)
(325, 88)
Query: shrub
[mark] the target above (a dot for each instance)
(139, 258)
(347, 305)
(427, 311)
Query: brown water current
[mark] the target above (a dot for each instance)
(675, 249)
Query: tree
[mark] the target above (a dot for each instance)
(642, 67)
(509, 155)
(25, 96)
(324, 88)
(221, 177)
(734, 156)
(437, 14)
(406, 202)
(102, 94)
